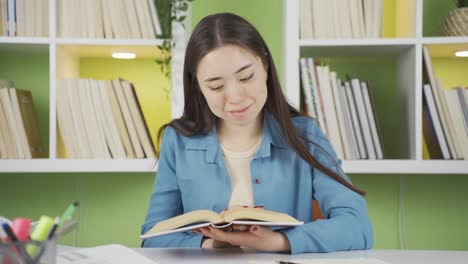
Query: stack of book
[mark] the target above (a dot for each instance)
(24, 18)
(113, 19)
(340, 19)
(19, 129)
(343, 109)
(102, 119)
(445, 116)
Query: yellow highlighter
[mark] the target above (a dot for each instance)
(40, 233)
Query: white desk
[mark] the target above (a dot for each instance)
(231, 256)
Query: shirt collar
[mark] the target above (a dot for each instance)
(271, 135)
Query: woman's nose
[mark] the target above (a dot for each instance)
(234, 93)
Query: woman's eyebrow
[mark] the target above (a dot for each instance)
(239, 70)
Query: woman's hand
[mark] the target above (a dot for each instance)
(256, 237)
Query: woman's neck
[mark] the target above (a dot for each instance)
(239, 138)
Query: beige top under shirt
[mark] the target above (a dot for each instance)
(238, 166)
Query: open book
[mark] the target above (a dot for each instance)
(238, 215)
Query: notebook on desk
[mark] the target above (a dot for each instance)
(108, 254)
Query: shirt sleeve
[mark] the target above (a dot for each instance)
(166, 200)
(346, 225)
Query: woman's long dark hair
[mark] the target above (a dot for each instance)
(213, 32)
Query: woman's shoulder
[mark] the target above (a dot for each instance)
(175, 136)
(306, 126)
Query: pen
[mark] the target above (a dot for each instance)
(66, 228)
(9, 232)
(13, 238)
(54, 228)
(68, 213)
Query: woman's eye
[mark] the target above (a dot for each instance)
(248, 78)
(215, 88)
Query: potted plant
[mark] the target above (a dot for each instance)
(456, 22)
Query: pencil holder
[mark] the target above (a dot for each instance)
(28, 252)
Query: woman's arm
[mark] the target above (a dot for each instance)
(347, 224)
(166, 200)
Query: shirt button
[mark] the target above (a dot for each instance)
(257, 181)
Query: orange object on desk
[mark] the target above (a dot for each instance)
(316, 212)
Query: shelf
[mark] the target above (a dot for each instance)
(147, 165)
(24, 40)
(405, 166)
(69, 165)
(358, 42)
(129, 42)
(444, 40)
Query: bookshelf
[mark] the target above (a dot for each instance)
(401, 126)
(68, 58)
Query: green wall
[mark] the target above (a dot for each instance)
(113, 205)
(433, 13)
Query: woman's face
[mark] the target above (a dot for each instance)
(233, 82)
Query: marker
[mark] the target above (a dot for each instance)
(68, 213)
(21, 228)
(40, 233)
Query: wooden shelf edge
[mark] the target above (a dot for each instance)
(110, 42)
(76, 166)
(148, 165)
(405, 166)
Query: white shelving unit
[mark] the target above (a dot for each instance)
(408, 55)
(407, 50)
(54, 45)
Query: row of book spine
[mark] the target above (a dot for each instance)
(19, 129)
(102, 119)
(24, 18)
(109, 19)
(445, 116)
(340, 19)
(343, 109)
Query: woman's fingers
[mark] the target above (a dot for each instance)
(240, 228)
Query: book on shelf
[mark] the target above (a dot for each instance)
(432, 127)
(18, 124)
(441, 116)
(24, 18)
(102, 119)
(459, 128)
(236, 215)
(109, 19)
(373, 121)
(463, 103)
(336, 19)
(344, 111)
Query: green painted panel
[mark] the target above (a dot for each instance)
(112, 205)
(437, 212)
(382, 205)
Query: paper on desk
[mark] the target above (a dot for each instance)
(108, 254)
(324, 261)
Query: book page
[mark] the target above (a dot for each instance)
(198, 216)
(259, 214)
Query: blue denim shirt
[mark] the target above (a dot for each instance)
(191, 175)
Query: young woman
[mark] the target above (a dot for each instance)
(239, 143)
